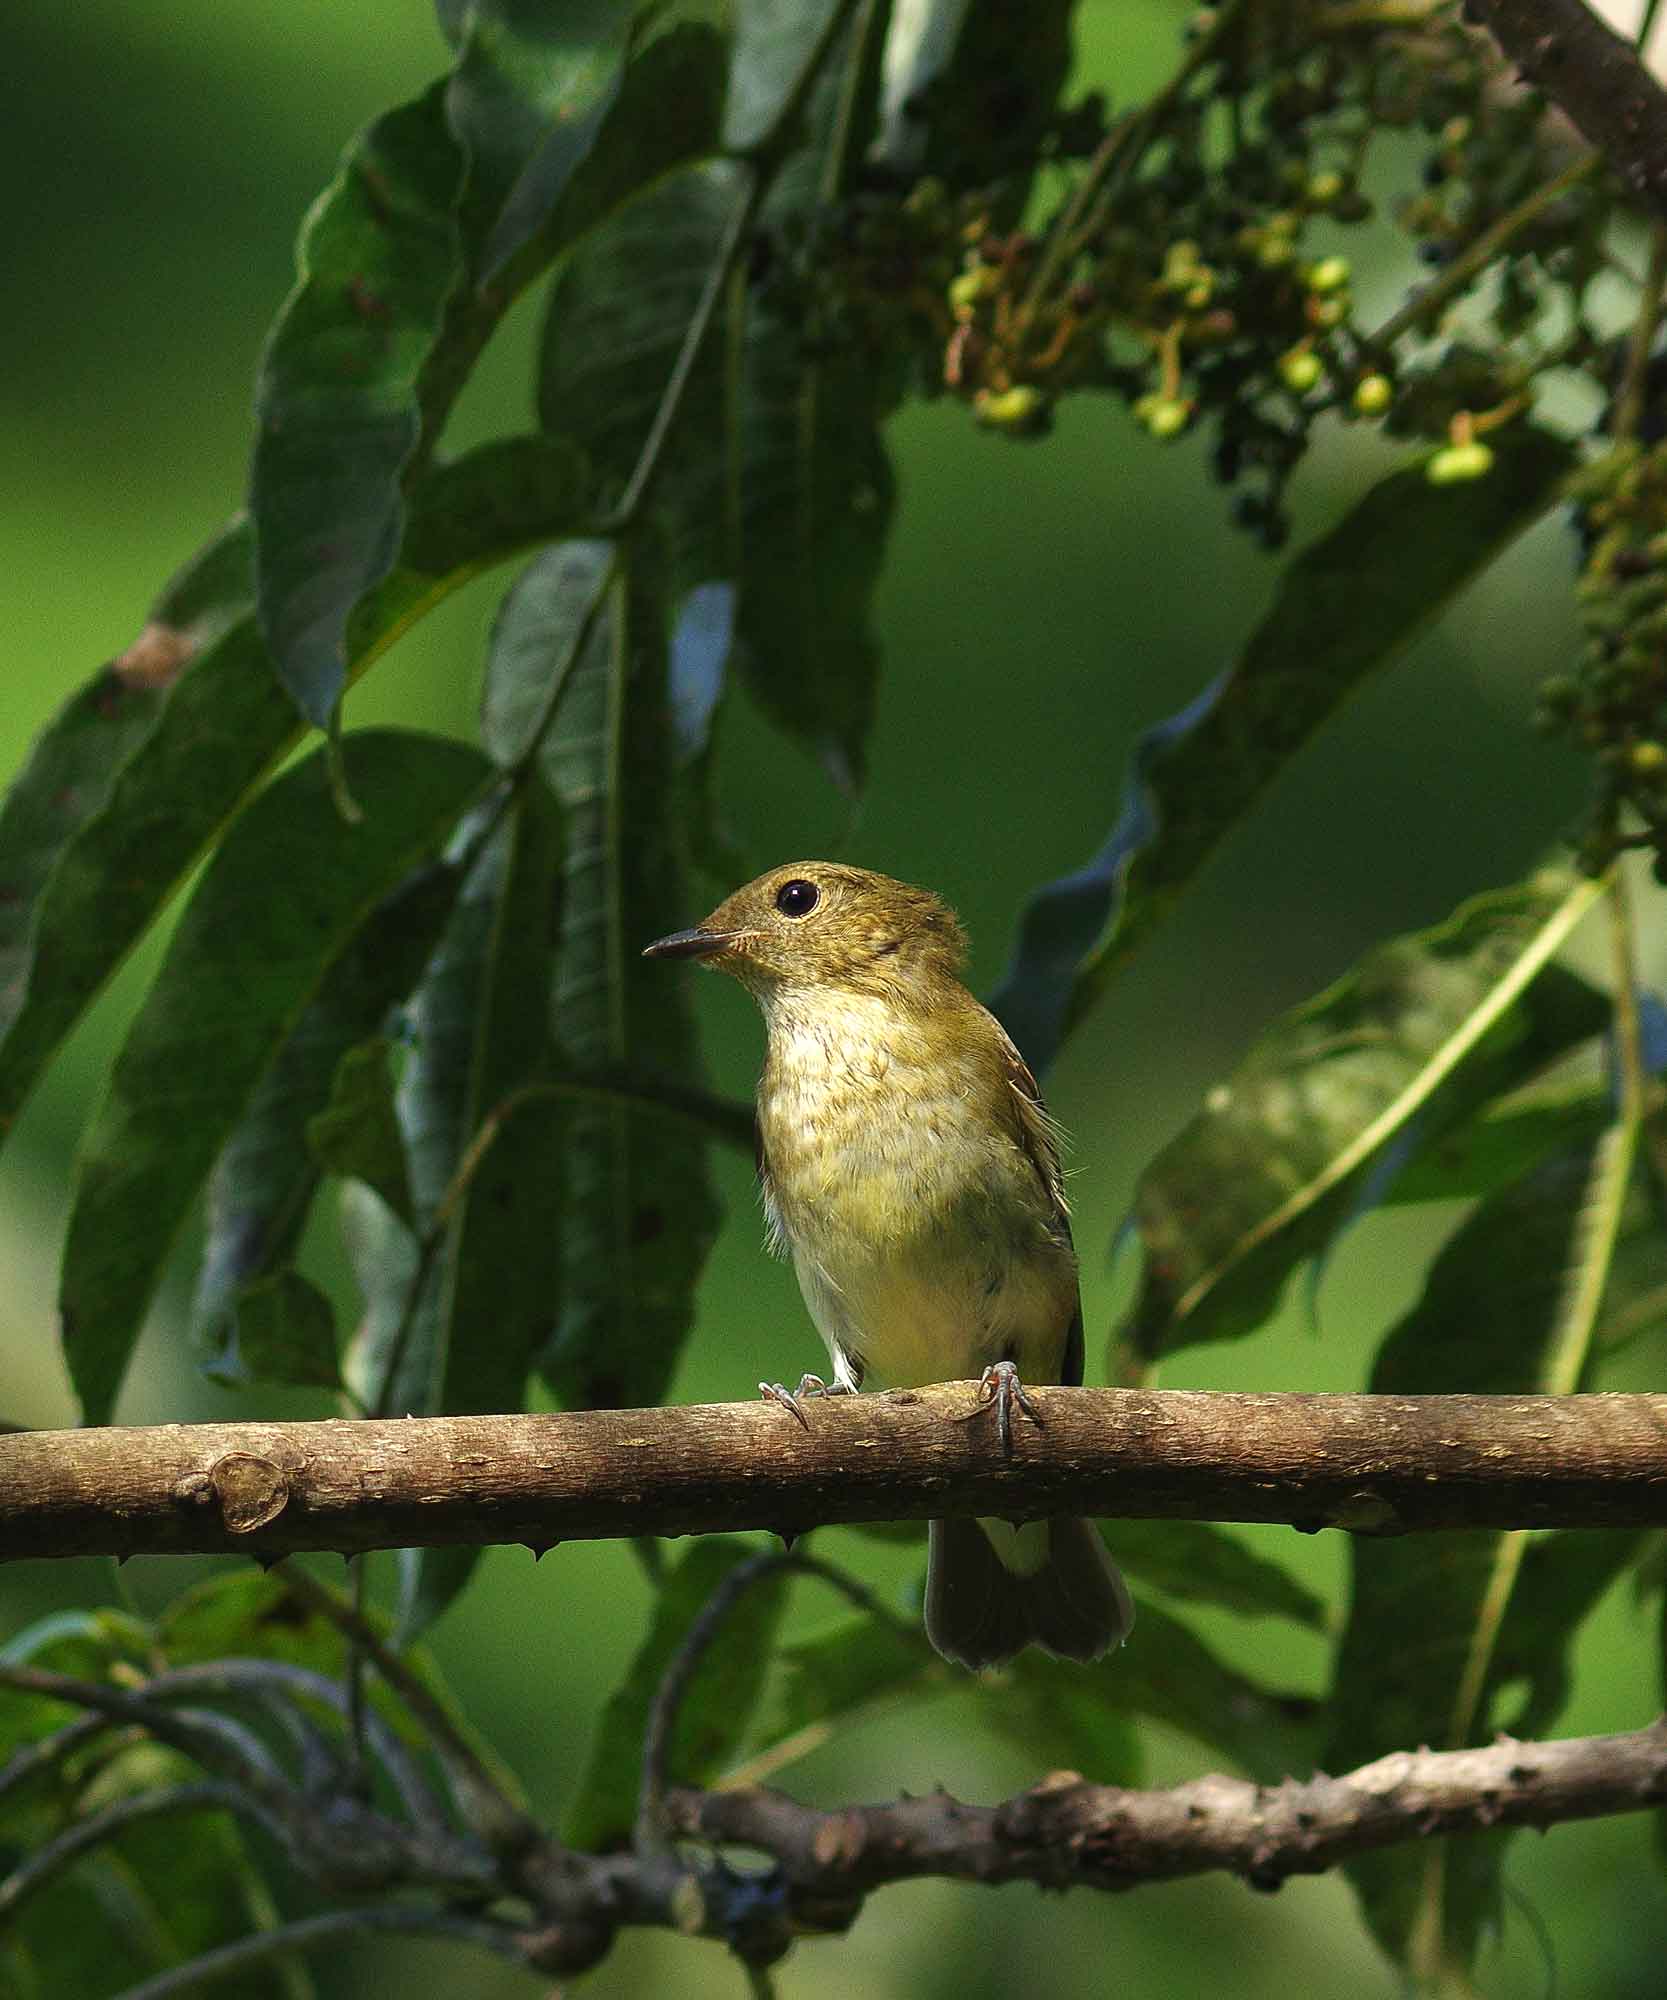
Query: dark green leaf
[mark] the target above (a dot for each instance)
(357, 1134)
(1068, 1718)
(221, 727)
(1346, 606)
(1196, 1562)
(485, 1140)
(337, 398)
(775, 478)
(774, 40)
(264, 1181)
(1428, 1025)
(716, 1708)
(286, 891)
(859, 1664)
(1165, 1671)
(640, 1212)
(1502, 1142)
(1435, 1627)
(283, 1329)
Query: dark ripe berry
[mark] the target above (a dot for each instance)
(1249, 511)
(1435, 173)
(1227, 459)
(1275, 530)
(1435, 254)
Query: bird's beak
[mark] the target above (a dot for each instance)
(697, 943)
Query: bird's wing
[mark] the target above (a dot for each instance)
(775, 1235)
(1039, 1139)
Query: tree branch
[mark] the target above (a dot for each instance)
(1594, 75)
(1066, 1833)
(1370, 1464)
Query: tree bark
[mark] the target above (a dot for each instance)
(1593, 75)
(1370, 1464)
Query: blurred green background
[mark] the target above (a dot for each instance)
(1041, 606)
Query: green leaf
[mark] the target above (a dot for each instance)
(1502, 1142)
(1200, 1563)
(264, 1181)
(225, 723)
(1428, 1025)
(239, 973)
(1439, 1625)
(1346, 606)
(640, 1212)
(284, 1330)
(487, 1153)
(1067, 1718)
(860, 1664)
(74, 764)
(336, 400)
(775, 478)
(774, 40)
(716, 1707)
(357, 1133)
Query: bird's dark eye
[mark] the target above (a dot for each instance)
(797, 899)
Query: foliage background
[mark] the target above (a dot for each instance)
(1039, 608)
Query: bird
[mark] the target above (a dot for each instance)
(910, 1170)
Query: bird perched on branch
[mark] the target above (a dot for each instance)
(911, 1172)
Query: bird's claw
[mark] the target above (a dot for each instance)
(789, 1399)
(1000, 1384)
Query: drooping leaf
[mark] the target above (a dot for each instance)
(1434, 1630)
(1347, 605)
(775, 478)
(1200, 1563)
(1502, 1142)
(263, 1183)
(848, 1669)
(336, 404)
(1064, 1717)
(220, 728)
(1434, 1023)
(357, 1135)
(283, 1329)
(486, 1150)
(240, 971)
(716, 1707)
(640, 1213)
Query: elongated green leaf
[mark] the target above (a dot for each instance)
(283, 1329)
(716, 1707)
(286, 891)
(223, 725)
(1065, 1717)
(1435, 1629)
(357, 1135)
(266, 1176)
(775, 478)
(1502, 1142)
(859, 1665)
(487, 1145)
(1432, 1024)
(1347, 605)
(73, 766)
(337, 399)
(1198, 1563)
(640, 1213)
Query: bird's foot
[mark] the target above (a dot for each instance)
(1000, 1384)
(792, 1399)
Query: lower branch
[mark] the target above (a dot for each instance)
(1370, 1464)
(1064, 1832)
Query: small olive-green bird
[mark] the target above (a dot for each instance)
(910, 1170)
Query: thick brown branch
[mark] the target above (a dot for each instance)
(1372, 1464)
(1595, 76)
(1066, 1833)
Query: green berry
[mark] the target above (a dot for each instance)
(1373, 394)
(1299, 370)
(1458, 463)
(971, 286)
(1165, 416)
(1330, 274)
(1019, 409)
(1648, 761)
(1323, 189)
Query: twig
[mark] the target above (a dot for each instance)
(1641, 1094)
(1472, 261)
(649, 1836)
(40, 1867)
(487, 1807)
(1629, 404)
(1066, 1833)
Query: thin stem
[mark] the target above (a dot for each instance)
(46, 1862)
(308, 1933)
(1629, 404)
(1641, 1094)
(650, 1836)
(1472, 262)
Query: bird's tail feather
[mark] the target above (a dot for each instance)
(982, 1609)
